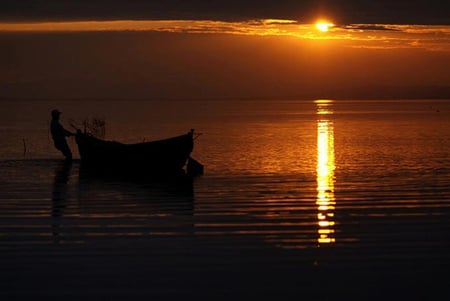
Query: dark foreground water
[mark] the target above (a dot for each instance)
(318, 200)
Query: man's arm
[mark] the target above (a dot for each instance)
(68, 133)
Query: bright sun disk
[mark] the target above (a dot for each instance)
(324, 26)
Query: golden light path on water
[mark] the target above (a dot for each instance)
(325, 173)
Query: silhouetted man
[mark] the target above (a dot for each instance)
(59, 135)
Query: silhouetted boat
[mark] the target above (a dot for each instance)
(146, 159)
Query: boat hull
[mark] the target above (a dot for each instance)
(161, 157)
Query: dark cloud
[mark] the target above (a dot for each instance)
(347, 12)
(369, 27)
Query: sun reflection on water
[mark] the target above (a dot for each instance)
(325, 173)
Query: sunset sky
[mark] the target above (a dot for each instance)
(224, 49)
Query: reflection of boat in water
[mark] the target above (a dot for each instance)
(130, 198)
(177, 185)
(146, 159)
(90, 207)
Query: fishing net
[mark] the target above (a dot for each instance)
(95, 126)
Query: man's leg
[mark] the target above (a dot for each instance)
(65, 149)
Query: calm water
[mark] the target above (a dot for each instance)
(329, 199)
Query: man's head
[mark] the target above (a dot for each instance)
(55, 113)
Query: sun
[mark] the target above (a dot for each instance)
(323, 26)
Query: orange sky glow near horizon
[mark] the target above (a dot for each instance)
(431, 37)
(207, 59)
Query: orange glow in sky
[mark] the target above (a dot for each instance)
(202, 58)
(380, 36)
(372, 36)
